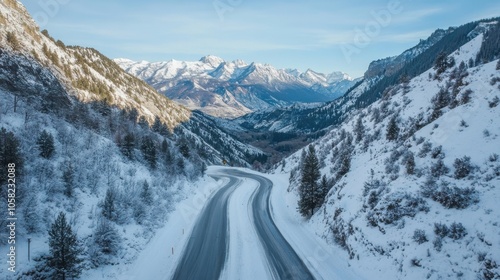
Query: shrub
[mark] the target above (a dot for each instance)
(451, 197)
(439, 168)
(457, 231)
(419, 236)
(373, 199)
(395, 206)
(438, 243)
(410, 163)
(494, 102)
(463, 167)
(437, 152)
(466, 96)
(426, 148)
(488, 270)
(415, 262)
(441, 230)
(493, 157)
(13, 41)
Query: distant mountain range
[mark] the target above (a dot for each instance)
(232, 89)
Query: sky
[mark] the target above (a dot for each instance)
(322, 35)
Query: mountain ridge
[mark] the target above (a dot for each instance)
(231, 89)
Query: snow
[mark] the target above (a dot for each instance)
(211, 74)
(324, 261)
(156, 260)
(387, 251)
(245, 257)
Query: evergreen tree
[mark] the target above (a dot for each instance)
(443, 62)
(148, 149)
(167, 154)
(345, 163)
(441, 99)
(45, 144)
(68, 178)
(203, 169)
(31, 216)
(183, 147)
(65, 251)
(106, 243)
(164, 146)
(159, 127)
(392, 129)
(439, 168)
(471, 63)
(322, 190)
(303, 156)
(410, 164)
(309, 183)
(498, 65)
(146, 194)
(133, 115)
(180, 165)
(440, 64)
(109, 210)
(359, 129)
(127, 146)
(10, 153)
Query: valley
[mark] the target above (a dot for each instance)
(223, 169)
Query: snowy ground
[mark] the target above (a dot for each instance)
(160, 256)
(246, 257)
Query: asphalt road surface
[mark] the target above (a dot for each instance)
(206, 252)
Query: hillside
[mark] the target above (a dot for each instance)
(95, 143)
(84, 72)
(412, 179)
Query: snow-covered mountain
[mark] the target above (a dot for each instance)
(412, 179)
(381, 75)
(231, 89)
(389, 66)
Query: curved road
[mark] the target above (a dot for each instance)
(206, 252)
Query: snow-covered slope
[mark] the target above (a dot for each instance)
(390, 65)
(415, 177)
(231, 89)
(84, 72)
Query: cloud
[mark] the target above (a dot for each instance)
(416, 15)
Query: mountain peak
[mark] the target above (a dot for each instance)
(212, 60)
(239, 63)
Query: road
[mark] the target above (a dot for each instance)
(207, 249)
(205, 253)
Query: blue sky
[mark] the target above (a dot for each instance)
(323, 35)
